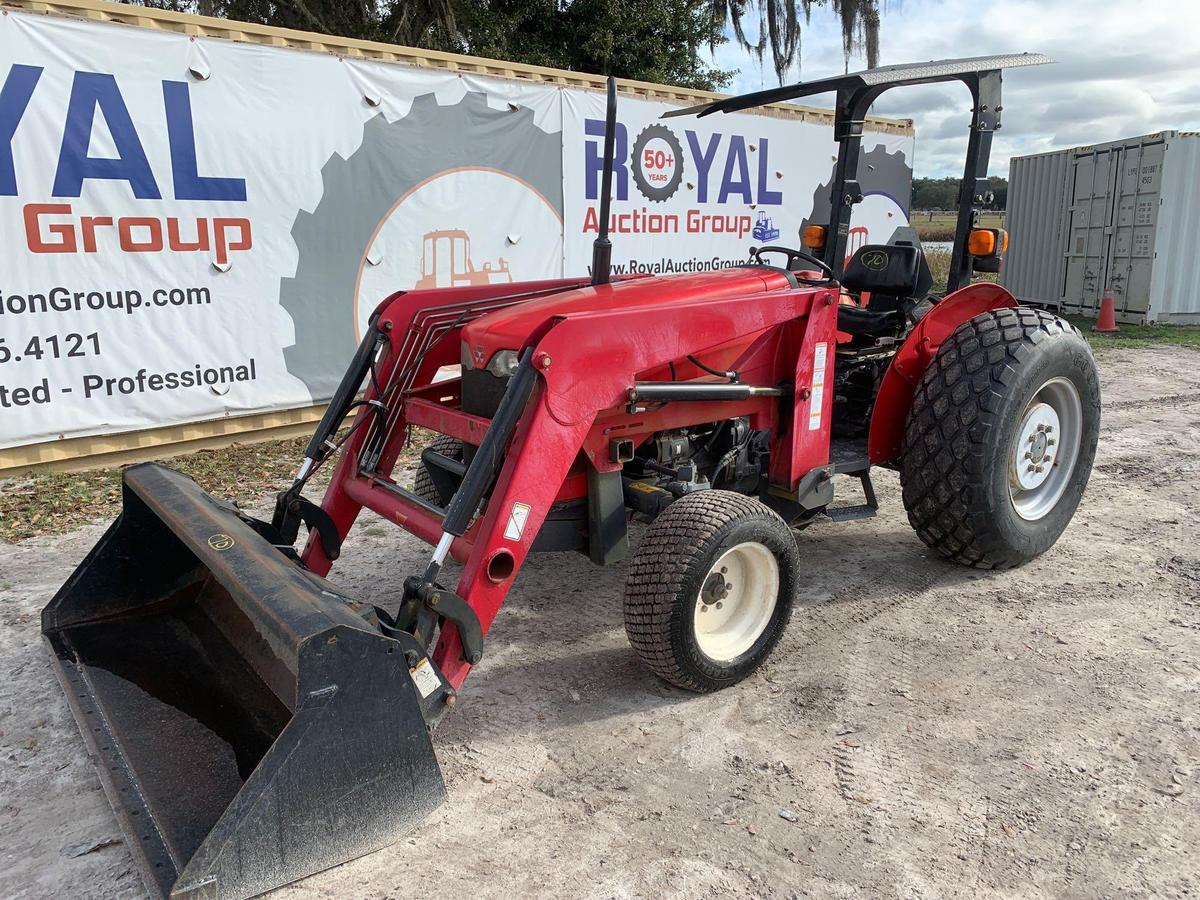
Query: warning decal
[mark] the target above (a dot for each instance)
(817, 401)
(516, 521)
(425, 678)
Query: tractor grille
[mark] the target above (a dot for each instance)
(481, 392)
(566, 522)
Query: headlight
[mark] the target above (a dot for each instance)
(503, 363)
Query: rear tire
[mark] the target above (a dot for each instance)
(1001, 437)
(710, 589)
(423, 484)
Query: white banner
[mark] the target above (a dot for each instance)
(196, 228)
(692, 194)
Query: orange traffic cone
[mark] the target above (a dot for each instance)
(1106, 322)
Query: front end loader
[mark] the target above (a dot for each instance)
(253, 724)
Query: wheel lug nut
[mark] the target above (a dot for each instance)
(719, 604)
(704, 608)
(1050, 442)
(724, 569)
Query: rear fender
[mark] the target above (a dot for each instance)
(908, 365)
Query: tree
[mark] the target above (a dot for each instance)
(779, 27)
(646, 40)
(942, 193)
(935, 193)
(999, 188)
(348, 18)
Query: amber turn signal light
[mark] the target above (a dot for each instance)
(987, 242)
(813, 236)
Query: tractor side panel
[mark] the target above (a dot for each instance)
(919, 348)
(608, 348)
(806, 447)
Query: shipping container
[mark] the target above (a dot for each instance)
(1123, 216)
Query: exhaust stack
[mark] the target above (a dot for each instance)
(602, 246)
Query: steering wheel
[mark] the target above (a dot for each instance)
(794, 256)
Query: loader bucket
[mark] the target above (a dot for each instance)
(249, 725)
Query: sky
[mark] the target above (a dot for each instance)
(1122, 68)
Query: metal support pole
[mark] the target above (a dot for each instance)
(985, 119)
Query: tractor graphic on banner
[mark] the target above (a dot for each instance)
(446, 262)
(764, 228)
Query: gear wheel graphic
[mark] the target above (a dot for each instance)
(361, 190)
(656, 193)
(879, 172)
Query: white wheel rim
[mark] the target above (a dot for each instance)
(1045, 449)
(736, 601)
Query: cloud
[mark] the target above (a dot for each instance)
(1115, 75)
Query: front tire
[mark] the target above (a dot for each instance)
(1001, 437)
(423, 483)
(710, 589)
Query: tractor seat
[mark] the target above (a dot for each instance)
(890, 274)
(893, 270)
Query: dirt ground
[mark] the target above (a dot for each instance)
(923, 730)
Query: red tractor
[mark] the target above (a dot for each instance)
(253, 724)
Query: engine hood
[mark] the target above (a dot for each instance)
(507, 329)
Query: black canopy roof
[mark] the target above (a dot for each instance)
(907, 73)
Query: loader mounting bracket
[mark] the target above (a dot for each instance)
(291, 509)
(451, 607)
(813, 494)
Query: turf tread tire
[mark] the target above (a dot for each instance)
(423, 485)
(661, 583)
(956, 418)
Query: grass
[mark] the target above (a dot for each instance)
(1138, 335)
(939, 268)
(54, 502)
(1129, 335)
(939, 226)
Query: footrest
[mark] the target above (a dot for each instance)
(851, 513)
